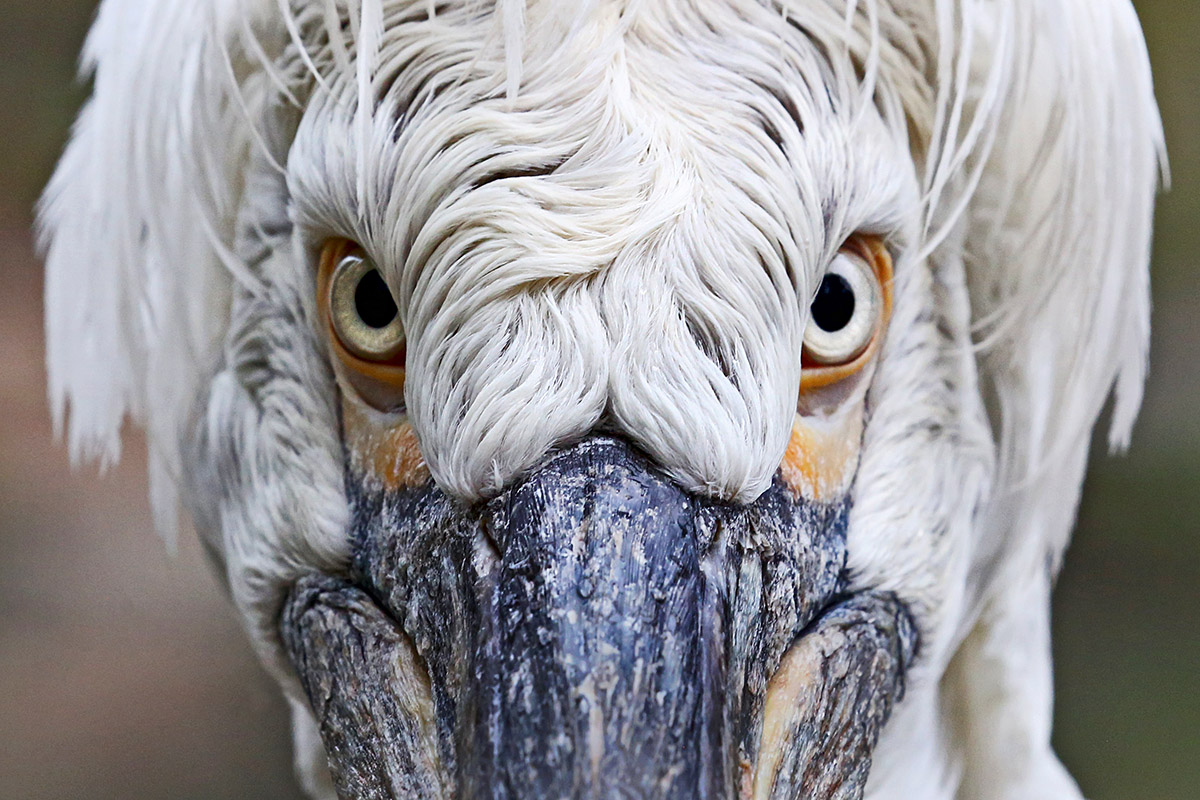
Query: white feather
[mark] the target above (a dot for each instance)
(651, 269)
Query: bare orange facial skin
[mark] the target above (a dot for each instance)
(821, 456)
(389, 453)
(381, 442)
(823, 450)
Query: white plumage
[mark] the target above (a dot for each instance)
(597, 181)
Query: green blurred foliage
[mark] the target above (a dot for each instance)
(1127, 609)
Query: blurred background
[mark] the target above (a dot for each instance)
(123, 673)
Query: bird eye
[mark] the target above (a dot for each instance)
(848, 310)
(845, 312)
(363, 313)
(365, 329)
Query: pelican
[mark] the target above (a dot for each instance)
(619, 398)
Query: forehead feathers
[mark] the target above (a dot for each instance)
(625, 232)
(711, 152)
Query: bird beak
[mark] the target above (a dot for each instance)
(596, 632)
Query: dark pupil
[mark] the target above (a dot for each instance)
(373, 301)
(833, 307)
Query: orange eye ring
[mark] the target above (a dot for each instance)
(370, 352)
(872, 252)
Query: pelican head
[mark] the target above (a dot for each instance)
(614, 398)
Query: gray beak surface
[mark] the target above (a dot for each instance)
(596, 632)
